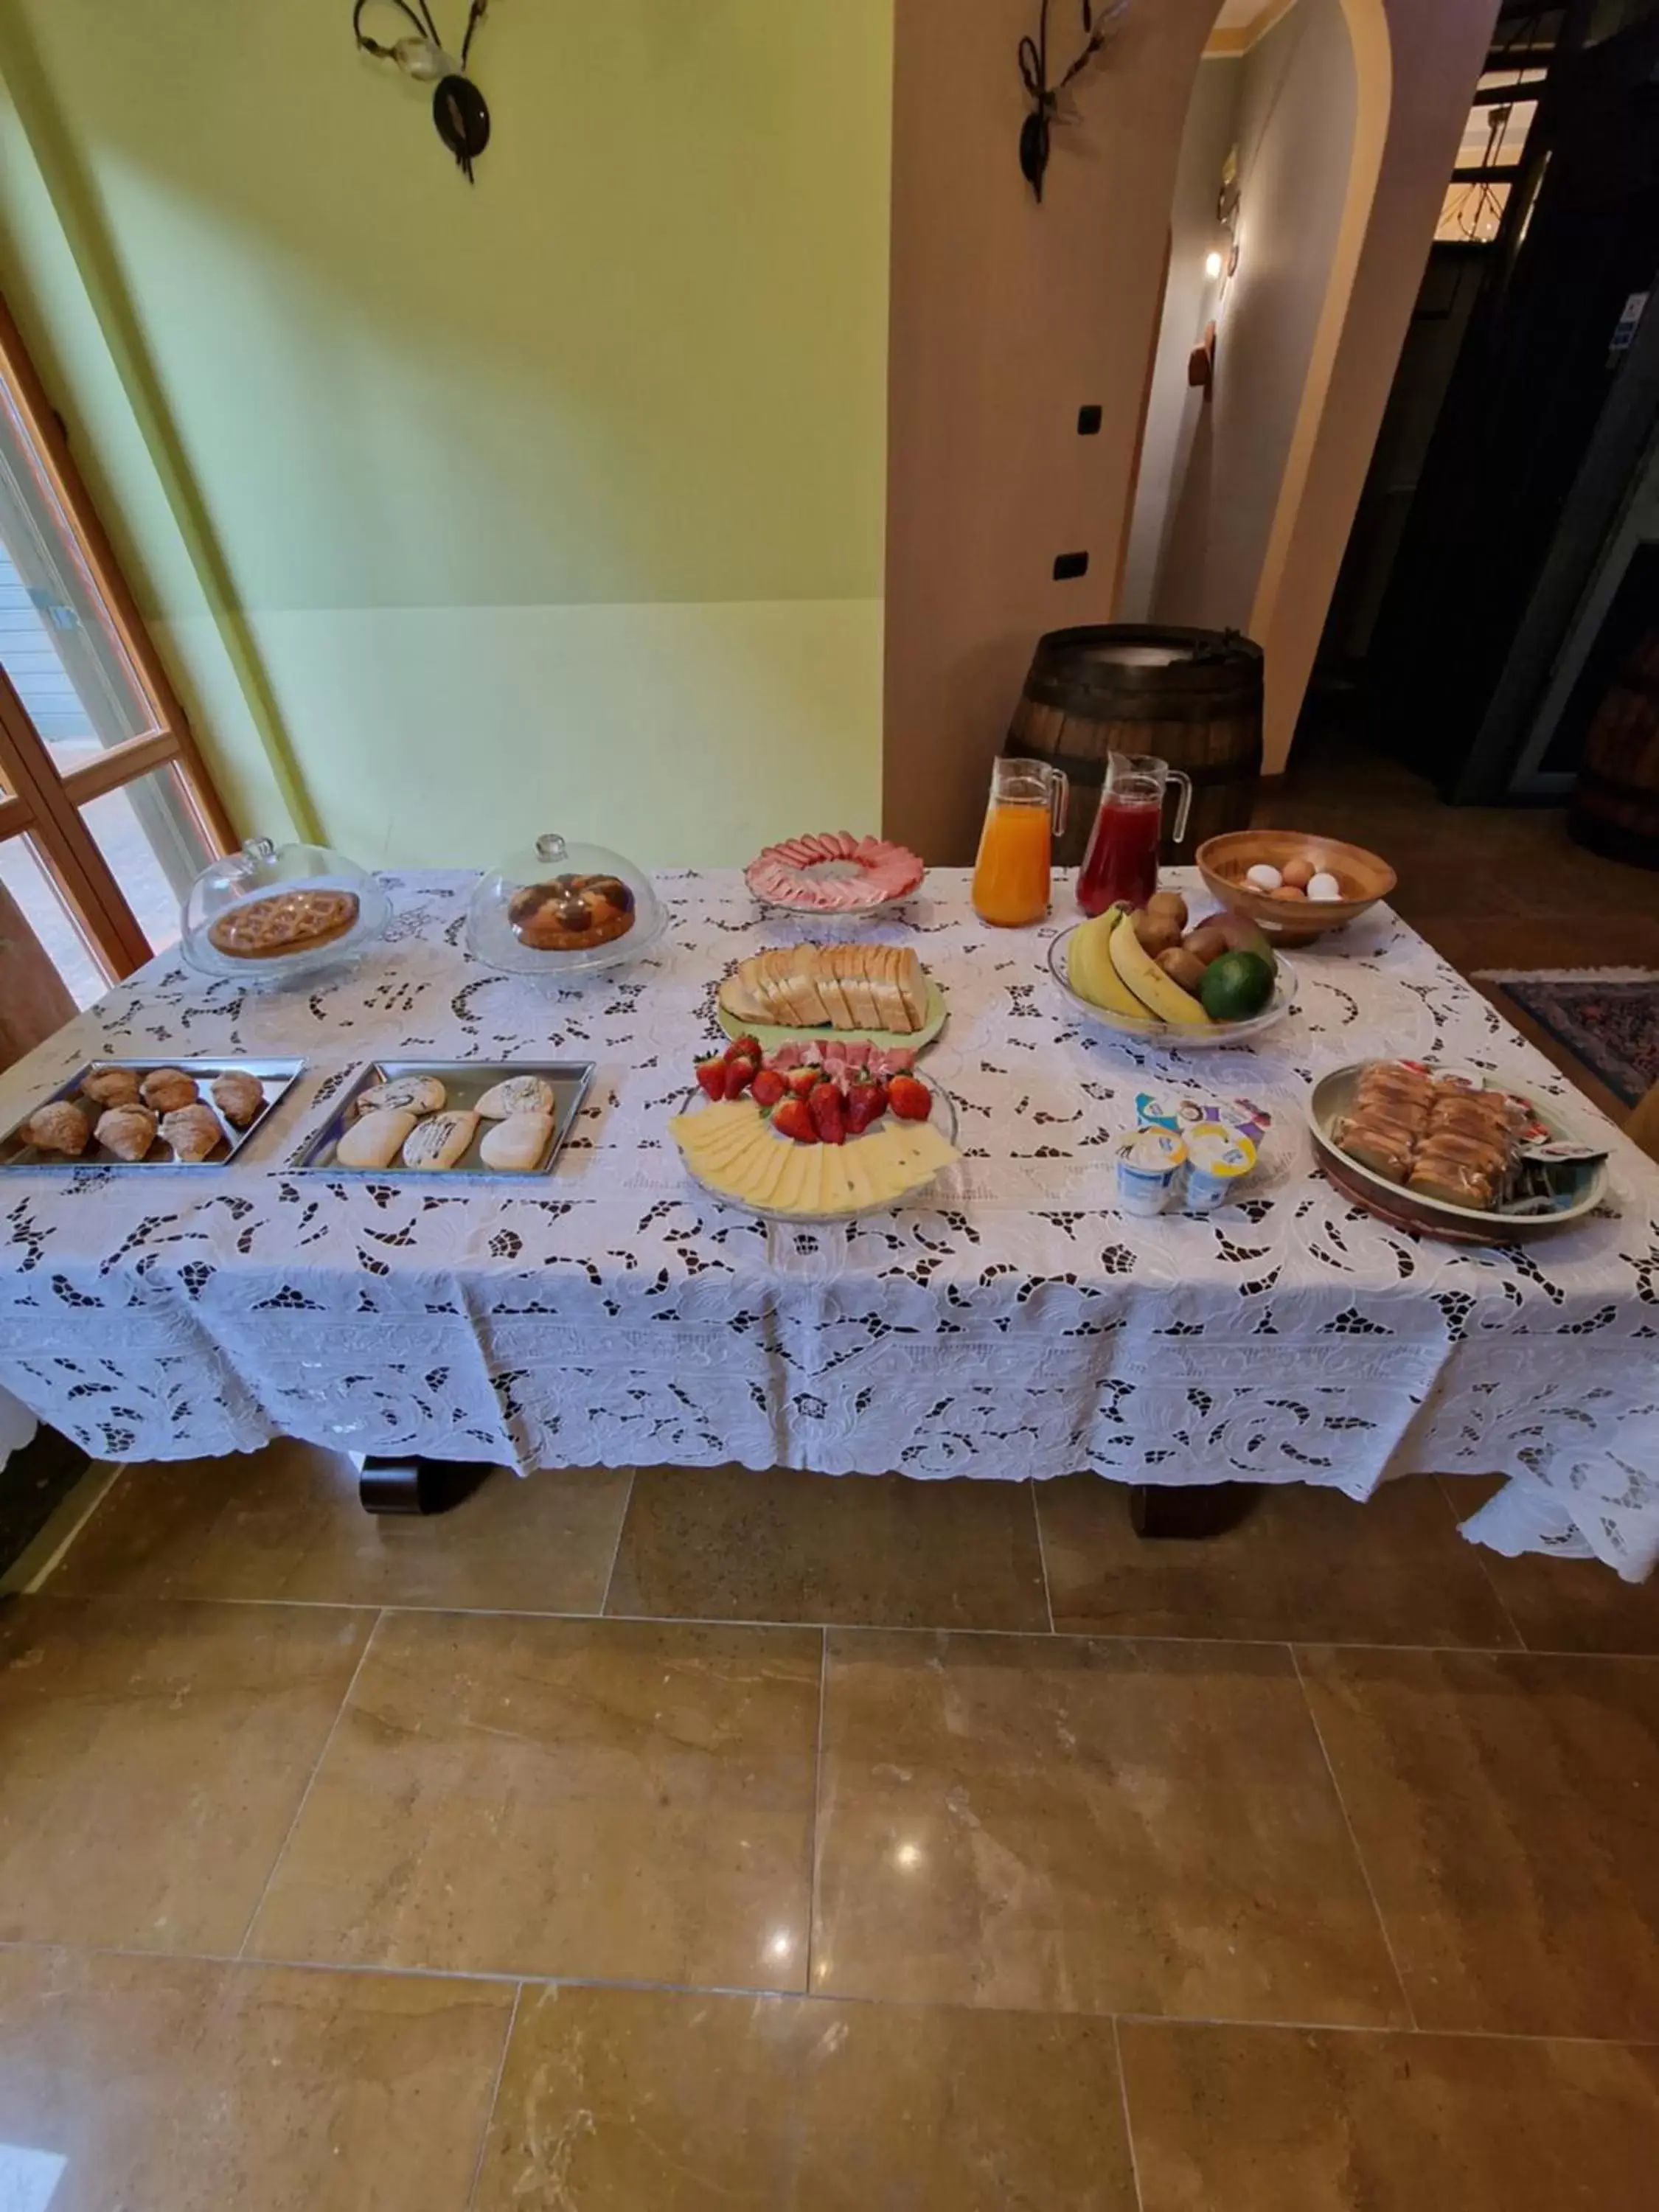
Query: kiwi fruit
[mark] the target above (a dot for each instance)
(1158, 933)
(1170, 903)
(1181, 967)
(1205, 943)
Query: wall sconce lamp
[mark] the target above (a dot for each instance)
(1200, 364)
(1213, 264)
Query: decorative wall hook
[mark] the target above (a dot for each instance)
(458, 109)
(1099, 21)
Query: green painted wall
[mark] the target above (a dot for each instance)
(556, 501)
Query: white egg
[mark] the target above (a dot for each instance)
(1264, 876)
(1324, 886)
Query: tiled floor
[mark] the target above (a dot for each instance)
(705, 1838)
(699, 1840)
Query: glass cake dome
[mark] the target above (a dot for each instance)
(558, 909)
(272, 912)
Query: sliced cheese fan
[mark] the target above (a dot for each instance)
(842, 987)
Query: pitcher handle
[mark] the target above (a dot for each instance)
(1059, 799)
(1185, 806)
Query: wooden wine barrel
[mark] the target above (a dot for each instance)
(1191, 696)
(1615, 808)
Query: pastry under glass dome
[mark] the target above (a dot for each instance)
(272, 914)
(562, 910)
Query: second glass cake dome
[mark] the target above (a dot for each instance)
(559, 909)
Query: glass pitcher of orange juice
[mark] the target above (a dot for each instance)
(1027, 811)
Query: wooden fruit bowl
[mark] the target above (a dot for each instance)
(1224, 862)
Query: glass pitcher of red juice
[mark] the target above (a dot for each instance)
(1121, 866)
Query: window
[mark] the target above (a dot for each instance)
(106, 810)
(1524, 42)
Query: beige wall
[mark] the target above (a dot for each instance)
(1007, 317)
(1295, 132)
(1190, 299)
(1417, 62)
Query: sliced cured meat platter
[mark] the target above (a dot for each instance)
(832, 872)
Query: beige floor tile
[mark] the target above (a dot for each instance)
(617, 2100)
(605, 1798)
(285, 1523)
(1563, 1605)
(166, 2084)
(1261, 2120)
(1301, 1563)
(724, 1544)
(1076, 1826)
(152, 1757)
(1507, 1809)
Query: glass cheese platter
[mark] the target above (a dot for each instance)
(449, 1121)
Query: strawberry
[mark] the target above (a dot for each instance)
(739, 1074)
(745, 1047)
(910, 1100)
(768, 1088)
(795, 1119)
(865, 1103)
(829, 1115)
(711, 1078)
(802, 1082)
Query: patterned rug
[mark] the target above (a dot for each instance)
(1608, 1017)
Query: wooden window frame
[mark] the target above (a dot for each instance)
(41, 801)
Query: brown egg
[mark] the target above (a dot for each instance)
(1205, 943)
(1181, 967)
(1287, 891)
(1298, 874)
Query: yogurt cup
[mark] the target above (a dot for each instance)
(1218, 1161)
(1148, 1162)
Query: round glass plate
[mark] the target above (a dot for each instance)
(944, 1119)
(1165, 1036)
(374, 911)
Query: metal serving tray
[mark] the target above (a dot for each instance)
(464, 1083)
(276, 1075)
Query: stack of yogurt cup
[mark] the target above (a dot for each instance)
(1191, 1157)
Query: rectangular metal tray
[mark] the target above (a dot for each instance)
(464, 1083)
(275, 1074)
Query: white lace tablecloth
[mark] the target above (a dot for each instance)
(1011, 1324)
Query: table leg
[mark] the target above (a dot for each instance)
(1165, 1509)
(416, 1485)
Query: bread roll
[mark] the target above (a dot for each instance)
(239, 1096)
(375, 1139)
(441, 1141)
(193, 1131)
(112, 1086)
(407, 1094)
(59, 1127)
(516, 1144)
(515, 1095)
(127, 1131)
(166, 1089)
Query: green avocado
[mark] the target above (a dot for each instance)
(1236, 986)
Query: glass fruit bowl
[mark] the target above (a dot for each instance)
(559, 911)
(1171, 1037)
(274, 914)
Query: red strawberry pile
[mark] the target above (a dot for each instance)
(819, 1094)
